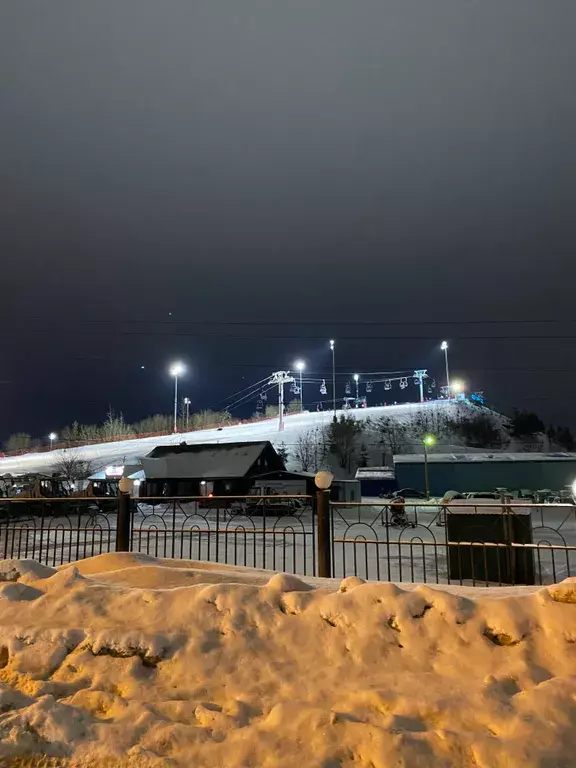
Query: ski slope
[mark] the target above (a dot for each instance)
(130, 451)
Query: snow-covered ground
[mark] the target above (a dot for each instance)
(124, 660)
(126, 451)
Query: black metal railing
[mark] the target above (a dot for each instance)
(463, 542)
(459, 543)
(269, 532)
(56, 531)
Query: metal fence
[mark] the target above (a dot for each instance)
(460, 543)
(463, 543)
(271, 532)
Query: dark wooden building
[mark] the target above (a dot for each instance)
(205, 469)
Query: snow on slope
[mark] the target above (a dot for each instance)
(127, 451)
(156, 663)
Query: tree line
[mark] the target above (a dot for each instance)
(114, 427)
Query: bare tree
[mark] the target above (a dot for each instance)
(19, 441)
(310, 450)
(392, 435)
(115, 428)
(71, 465)
(342, 438)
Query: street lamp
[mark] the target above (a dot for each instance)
(428, 441)
(187, 404)
(177, 369)
(332, 347)
(357, 379)
(52, 436)
(444, 348)
(300, 365)
(458, 387)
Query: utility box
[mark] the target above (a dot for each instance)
(500, 565)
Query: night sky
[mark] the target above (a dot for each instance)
(389, 174)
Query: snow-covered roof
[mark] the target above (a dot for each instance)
(478, 458)
(375, 473)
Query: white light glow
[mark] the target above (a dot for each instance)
(114, 471)
(332, 343)
(444, 346)
(457, 387)
(176, 369)
(52, 436)
(300, 365)
(356, 377)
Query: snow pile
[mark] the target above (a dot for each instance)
(127, 660)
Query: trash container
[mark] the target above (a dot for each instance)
(496, 524)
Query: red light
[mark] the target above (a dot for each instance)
(210, 495)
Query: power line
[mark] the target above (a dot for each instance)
(314, 323)
(363, 337)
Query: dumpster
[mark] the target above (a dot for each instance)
(493, 523)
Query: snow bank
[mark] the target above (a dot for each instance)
(144, 662)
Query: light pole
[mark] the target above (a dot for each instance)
(428, 441)
(332, 347)
(444, 348)
(52, 436)
(300, 365)
(357, 379)
(187, 404)
(176, 370)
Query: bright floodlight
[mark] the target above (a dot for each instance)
(444, 346)
(428, 440)
(332, 343)
(356, 377)
(52, 436)
(574, 489)
(300, 365)
(176, 369)
(457, 387)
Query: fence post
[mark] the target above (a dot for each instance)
(324, 538)
(124, 521)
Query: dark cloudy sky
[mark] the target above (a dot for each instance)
(313, 160)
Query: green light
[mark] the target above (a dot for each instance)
(428, 440)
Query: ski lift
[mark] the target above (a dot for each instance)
(369, 386)
(348, 388)
(387, 384)
(263, 396)
(294, 388)
(323, 390)
(433, 383)
(416, 381)
(259, 405)
(403, 382)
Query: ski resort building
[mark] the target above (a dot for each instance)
(221, 469)
(486, 471)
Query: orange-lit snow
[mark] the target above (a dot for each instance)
(166, 663)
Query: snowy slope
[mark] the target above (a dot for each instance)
(129, 661)
(128, 450)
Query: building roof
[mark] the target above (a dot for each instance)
(483, 458)
(208, 461)
(375, 473)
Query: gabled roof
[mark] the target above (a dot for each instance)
(208, 461)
